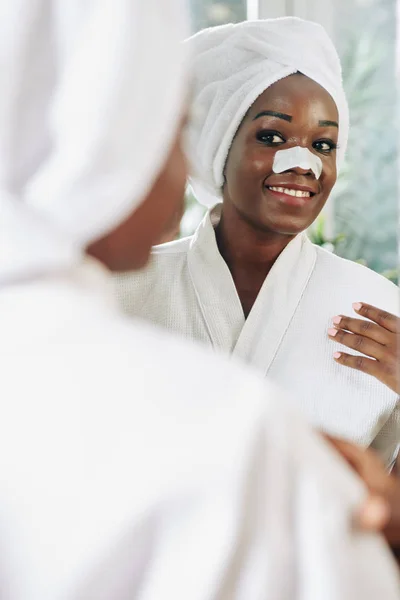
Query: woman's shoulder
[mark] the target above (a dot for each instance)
(135, 289)
(163, 256)
(348, 268)
(175, 248)
(344, 274)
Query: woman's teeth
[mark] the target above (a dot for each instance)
(290, 192)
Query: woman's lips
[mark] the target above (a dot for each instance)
(290, 196)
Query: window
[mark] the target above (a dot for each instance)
(207, 13)
(366, 196)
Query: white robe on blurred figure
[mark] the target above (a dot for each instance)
(131, 465)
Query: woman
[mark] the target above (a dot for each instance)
(107, 489)
(270, 126)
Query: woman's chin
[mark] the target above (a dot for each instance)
(291, 227)
(281, 225)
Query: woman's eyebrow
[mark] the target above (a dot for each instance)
(289, 118)
(273, 113)
(328, 124)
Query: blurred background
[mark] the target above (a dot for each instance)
(361, 219)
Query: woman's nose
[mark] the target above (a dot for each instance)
(301, 171)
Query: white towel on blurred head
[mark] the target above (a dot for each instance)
(80, 143)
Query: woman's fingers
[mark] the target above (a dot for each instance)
(386, 372)
(358, 342)
(381, 317)
(392, 529)
(377, 340)
(366, 329)
(374, 515)
(366, 463)
(376, 512)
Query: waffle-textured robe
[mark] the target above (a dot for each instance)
(188, 288)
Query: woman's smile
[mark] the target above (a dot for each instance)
(289, 196)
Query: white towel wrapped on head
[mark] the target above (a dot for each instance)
(232, 66)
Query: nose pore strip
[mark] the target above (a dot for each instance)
(297, 157)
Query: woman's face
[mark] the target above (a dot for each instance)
(304, 114)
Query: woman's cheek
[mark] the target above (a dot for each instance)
(259, 160)
(259, 166)
(329, 176)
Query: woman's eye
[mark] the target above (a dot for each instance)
(325, 146)
(269, 137)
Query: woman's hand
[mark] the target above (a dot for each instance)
(381, 510)
(378, 339)
(376, 512)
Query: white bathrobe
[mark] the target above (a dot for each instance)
(131, 465)
(188, 288)
(134, 466)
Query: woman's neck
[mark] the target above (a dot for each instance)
(249, 253)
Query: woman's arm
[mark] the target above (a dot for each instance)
(392, 530)
(381, 510)
(386, 443)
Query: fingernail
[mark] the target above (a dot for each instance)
(332, 331)
(375, 514)
(336, 320)
(337, 354)
(357, 305)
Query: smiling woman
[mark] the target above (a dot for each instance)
(268, 134)
(295, 111)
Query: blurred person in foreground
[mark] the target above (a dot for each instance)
(133, 465)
